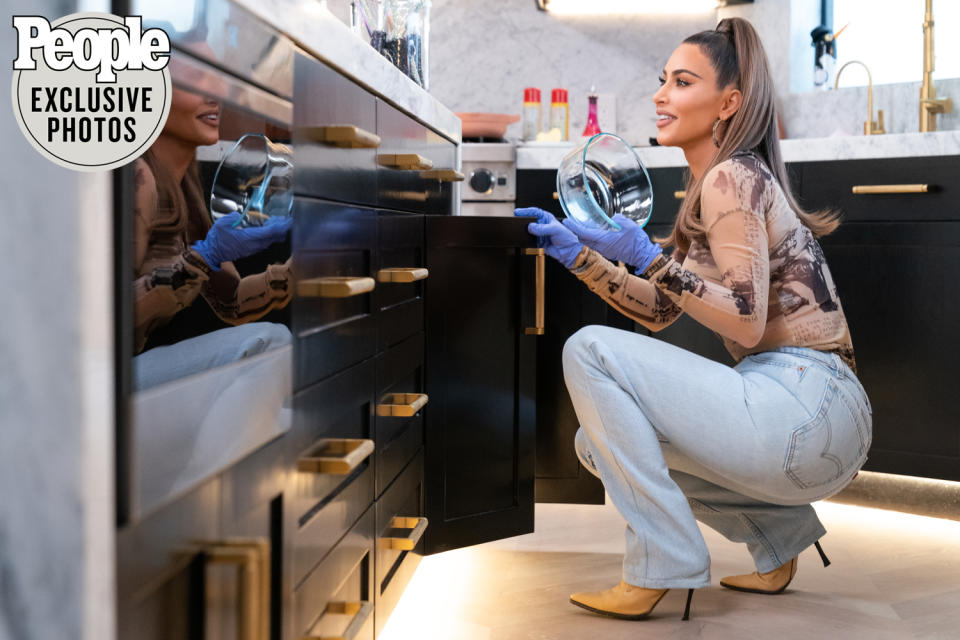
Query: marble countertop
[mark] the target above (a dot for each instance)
(897, 145)
(318, 31)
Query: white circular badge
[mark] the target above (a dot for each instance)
(91, 91)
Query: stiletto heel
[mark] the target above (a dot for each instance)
(686, 609)
(823, 556)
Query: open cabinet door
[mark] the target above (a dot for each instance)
(480, 432)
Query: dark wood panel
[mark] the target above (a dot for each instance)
(330, 334)
(897, 283)
(828, 185)
(399, 370)
(324, 97)
(481, 379)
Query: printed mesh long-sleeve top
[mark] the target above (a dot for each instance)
(759, 281)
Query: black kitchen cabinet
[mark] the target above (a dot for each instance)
(895, 260)
(569, 305)
(481, 381)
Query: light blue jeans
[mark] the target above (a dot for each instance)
(676, 438)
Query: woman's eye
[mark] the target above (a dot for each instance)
(682, 83)
(661, 80)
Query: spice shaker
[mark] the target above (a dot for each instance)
(531, 113)
(560, 112)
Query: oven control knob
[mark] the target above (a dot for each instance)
(482, 181)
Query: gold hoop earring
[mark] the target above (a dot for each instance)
(716, 124)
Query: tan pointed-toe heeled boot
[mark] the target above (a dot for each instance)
(624, 601)
(770, 583)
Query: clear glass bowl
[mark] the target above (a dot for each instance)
(254, 179)
(601, 178)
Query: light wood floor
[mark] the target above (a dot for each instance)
(893, 575)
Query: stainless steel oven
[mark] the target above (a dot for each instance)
(490, 186)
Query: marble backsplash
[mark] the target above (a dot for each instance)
(482, 55)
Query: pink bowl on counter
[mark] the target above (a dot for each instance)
(486, 125)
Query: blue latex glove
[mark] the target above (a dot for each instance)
(225, 243)
(631, 244)
(556, 240)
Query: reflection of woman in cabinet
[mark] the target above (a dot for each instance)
(179, 256)
(675, 437)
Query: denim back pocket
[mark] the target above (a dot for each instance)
(829, 444)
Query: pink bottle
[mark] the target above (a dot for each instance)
(593, 127)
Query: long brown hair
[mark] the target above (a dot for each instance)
(180, 207)
(738, 58)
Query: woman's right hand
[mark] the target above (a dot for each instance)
(555, 239)
(226, 243)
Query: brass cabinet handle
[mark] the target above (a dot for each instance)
(405, 161)
(416, 196)
(556, 196)
(409, 542)
(336, 456)
(361, 612)
(680, 195)
(443, 175)
(251, 557)
(401, 405)
(346, 136)
(334, 287)
(891, 188)
(411, 274)
(541, 276)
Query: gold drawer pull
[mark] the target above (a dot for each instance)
(416, 196)
(556, 196)
(402, 275)
(891, 188)
(408, 543)
(346, 136)
(541, 277)
(334, 287)
(361, 612)
(679, 195)
(405, 161)
(251, 557)
(336, 456)
(443, 175)
(401, 405)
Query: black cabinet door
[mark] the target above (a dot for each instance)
(570, 305)
(480, 379)
(897, 283)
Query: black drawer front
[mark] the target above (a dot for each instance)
(395, 567)
(332, 240)
(408, 188)
(399, 370)
(345, 576)
(828, 185)
(319, 507)
(324, 98)
(399, 304)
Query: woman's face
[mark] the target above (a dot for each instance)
(688, 102)
(194, 119)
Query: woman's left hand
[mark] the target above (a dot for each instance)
(631, 245)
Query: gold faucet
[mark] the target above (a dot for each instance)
(869, 127)
(930, 104)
